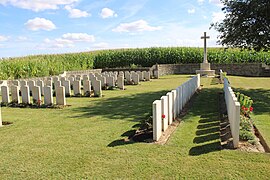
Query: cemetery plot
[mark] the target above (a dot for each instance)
(87, 140)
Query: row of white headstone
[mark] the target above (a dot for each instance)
(36, 95)
(233, 110)
(167, 109)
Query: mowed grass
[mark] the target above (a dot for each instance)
(85, 140)
(259, 91)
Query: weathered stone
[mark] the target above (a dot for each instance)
(16, 83)
(77, 88)
(128, 77)
(57, 84)
(71, 80)
(164, 112)
(87, 88)
(48, 95)
(41, 85)
(31, 84)
(110, 81)
(174, 104)
(36, 94)
(15, 97)
(157, 120)
(66, 84)
(120, 82)
(25, 94)
(147, 75)
(60, 95)
(97, 88)
(48, 83)
(170, 107)
(5, 94)
(141, 77)
(102, 80)
(23, 83)
(135, 78)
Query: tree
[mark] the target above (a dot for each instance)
(246, 24)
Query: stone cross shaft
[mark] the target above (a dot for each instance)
(205, 50)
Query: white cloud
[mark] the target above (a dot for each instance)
(39, 23)
(37, 5)
(191, 11)
(101, 45)
(78, 37)
(67, 40)
(3, 38)
(106, 13)
(217, 16)
(136, 26)
(216, 2)
(76, 13)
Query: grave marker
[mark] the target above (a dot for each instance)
(5, 94)
(15, 98)
(48, 95)
(25, 94)
(60, 96)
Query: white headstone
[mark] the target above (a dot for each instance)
(157, 120)
(164, 112)
(170, 107)
(36, 94)
(120, 82)
(87, 88)
(97, 88)
(135, 78)
(77, 88)
(60, 96)
(31, 84)
(110, 81)
(174, 104)
(147, 75)
(15, 98)
(25, 94)
(41, 86)
(5, 94)
(66, 84)
(48, 95)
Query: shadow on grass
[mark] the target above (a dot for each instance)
(207, 137)
(136, 108)
(260, 97)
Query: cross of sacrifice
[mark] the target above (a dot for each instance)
(205, 50)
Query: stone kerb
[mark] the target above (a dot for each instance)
(233, 110)
(5, 94)
(60, 96)
(157, 123)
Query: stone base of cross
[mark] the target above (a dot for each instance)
(205, 69)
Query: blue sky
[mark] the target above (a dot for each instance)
(59, 26)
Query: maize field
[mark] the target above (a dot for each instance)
(46, 65)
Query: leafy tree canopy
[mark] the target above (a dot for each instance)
(246, 24)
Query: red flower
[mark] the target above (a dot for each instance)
(246, 109)
(163, 116)
(251, 109)
(243, 107)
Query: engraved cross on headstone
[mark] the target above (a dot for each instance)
(205, 50)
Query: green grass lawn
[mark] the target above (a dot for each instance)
(85, 140)
(259, 91)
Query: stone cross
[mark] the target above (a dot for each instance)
(205, 50)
